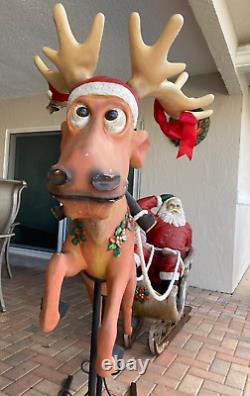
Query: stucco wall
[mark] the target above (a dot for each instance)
(242, 245)
(244, 163)
(207, 184)
(242, 229)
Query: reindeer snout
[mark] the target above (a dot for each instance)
(58, 177)
(105, 181)
(99, 180)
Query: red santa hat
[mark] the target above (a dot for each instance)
(99, 85)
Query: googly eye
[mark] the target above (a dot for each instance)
(115, 120)
(80, 116)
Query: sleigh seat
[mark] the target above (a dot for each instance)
(173, 306)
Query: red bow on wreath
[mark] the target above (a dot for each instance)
(184, 129)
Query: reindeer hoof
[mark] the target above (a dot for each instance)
(49, 320)
(118, 351)
(129, 339)
(105, 367)
(63, 308)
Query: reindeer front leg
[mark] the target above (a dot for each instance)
(116, 286)
(55, 273)
(68, 263)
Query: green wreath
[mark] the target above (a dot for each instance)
(203, 127)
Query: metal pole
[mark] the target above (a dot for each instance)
(99, 386)
(133, 389)
(94, 386)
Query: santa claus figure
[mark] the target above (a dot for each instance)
(170, 231)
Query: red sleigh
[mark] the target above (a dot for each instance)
(166, 310)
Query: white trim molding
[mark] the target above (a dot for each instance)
(243, 58)
(14, 131)
(243, 198)
(215, 22)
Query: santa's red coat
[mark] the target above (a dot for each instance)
(165, 235)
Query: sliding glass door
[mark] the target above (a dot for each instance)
(31, 155)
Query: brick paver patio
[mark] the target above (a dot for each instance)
(210, 356)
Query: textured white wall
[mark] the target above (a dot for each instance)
(244, 163)
(242, 245)
(207, 184)
(242, 229)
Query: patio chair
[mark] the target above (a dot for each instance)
(10, 197)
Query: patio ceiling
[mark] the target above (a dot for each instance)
(26, 26)
(240, 13)
(225, 25)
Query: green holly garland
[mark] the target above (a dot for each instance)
(141, 294)
(119, 236)
(115, 242)
(77, 232)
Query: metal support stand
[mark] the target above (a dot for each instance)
(95, 382)
(133, 389)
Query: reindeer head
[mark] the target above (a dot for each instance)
(99, 143)
(99, 140)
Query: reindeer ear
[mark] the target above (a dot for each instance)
(140, 143)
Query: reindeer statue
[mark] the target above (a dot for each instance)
(99, 144)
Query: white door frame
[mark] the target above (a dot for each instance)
(15, 131)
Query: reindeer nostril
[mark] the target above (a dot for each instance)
(105, 181)
(58, 177)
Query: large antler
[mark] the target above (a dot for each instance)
(174, 101)
(151, 70)
(75, 61)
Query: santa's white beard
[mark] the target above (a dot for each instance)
(177, 219)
